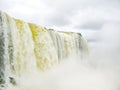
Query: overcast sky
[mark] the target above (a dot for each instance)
(90, 17)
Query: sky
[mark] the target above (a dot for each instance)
(97, 20)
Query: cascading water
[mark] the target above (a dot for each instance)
(26, 49)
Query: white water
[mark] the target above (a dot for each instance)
(29, 51)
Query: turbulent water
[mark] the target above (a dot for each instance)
(27, 50)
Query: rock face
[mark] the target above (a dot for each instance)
(27, 48)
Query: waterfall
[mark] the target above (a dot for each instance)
(26, 48)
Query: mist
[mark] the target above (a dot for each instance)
(99, 71)
(72, 74)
